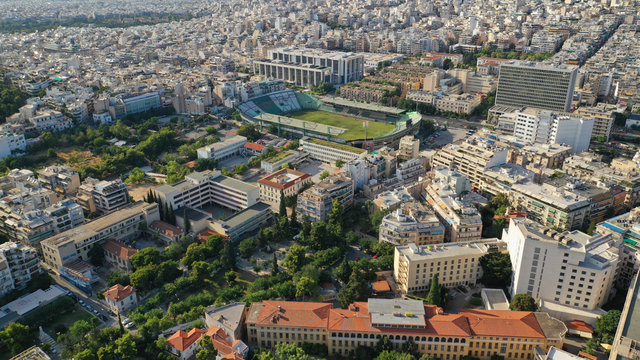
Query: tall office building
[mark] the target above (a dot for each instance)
(538, 85)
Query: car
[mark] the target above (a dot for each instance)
(126, 321)
(96, 312)
(129, 325)
(375, 256)
(90, 308)
(81, 302)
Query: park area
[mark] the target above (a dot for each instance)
(354, 127)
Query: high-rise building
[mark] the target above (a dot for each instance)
(571, 270)
(548, 127)
(548, 87)
(412, 222)
(344, 67)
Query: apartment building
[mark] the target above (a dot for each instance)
(366, 91)
(478, 333)
(65, 215)
(471, 158)
(457, 103)
(317, 201)
(102, 197)
(50, 120)
(571, 269)
(542, 126)
(120, 225)
(284, 181)
(18, 265)
(202, 188)
(413, 223)
(392, 199)
(549, 205)
(456, 264)
(409, 147)
(539, 156)
(626, 229)
(473, 83)
(59, 178)
(539, 85)
(410, 170)
(626, 343)
(11, 143)
(223, 149)
(142, 103)
(603, 117)
(461, 220)
(328, 151)
(344, 67)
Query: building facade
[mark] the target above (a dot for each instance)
(222, 149)
(284, 181)
(18, 265)
(328, 151)
(317, 201)
(413, 223)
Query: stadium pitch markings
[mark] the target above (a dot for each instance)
(354, 127)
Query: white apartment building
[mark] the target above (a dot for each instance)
(202, 188)
(102, 196)
(571, 269)
(50, 120)
(18, 265)
(317, 201)
(461, 220)
(223, 149)
(457, 264)
(11, 143)
(411, 223)
(287, 181)
(603, 116)
(543, 126)
(328, 151)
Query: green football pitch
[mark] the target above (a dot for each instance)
(354, 127)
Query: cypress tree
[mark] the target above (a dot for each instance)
(294, 219)
(434, 297)
(275, 270)
(187, 222)
(283, 206)
(161, 209)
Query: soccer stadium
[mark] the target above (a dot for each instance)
(334, 119)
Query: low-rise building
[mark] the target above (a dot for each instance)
(121, 225)
(456, 264)
(223, 149)
(118, 255)
(317, 201)
(413, 223)
(184, 344)
(478, 333)
(167, 232)
(284, 181)
(121, 298)
(230, 318)
(243, 222)
(328, 151)
(202, 188)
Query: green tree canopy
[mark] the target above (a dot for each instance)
(523, 302)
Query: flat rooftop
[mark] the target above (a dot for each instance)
(631, 327)
(397, 312)
(239, 218)
(415, 252)
(364, 106)
(234, 184)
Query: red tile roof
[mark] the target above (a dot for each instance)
(166, 228)
(579, 326)
(268, 180)
(119, 249)
(253, 146)
(221, 342)
(357, 319)
(181, 340)
(293, 313)
(381, 286)
(118, 292)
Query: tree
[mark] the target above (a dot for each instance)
(434, 297)
(274, 266)
(343, 271)
(250, 132)
(207, 351)
(126, 347)
(200, 270)
(246, 247)
(305, 286)
(136, 175)
(283, 206)
(496, 270)
(336, 215)
(228, 256)
(187, 222)
(96, 255)
(523, 302)
(16, 337)
(339, 163)
(607, 324)
(325, 174)
(447, 64)
(294, 219)
(230, 276)
(146, 256)
(295, 259)
(143, 278)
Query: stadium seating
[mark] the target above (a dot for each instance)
(286, 101)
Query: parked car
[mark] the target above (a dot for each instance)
(81, 302)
